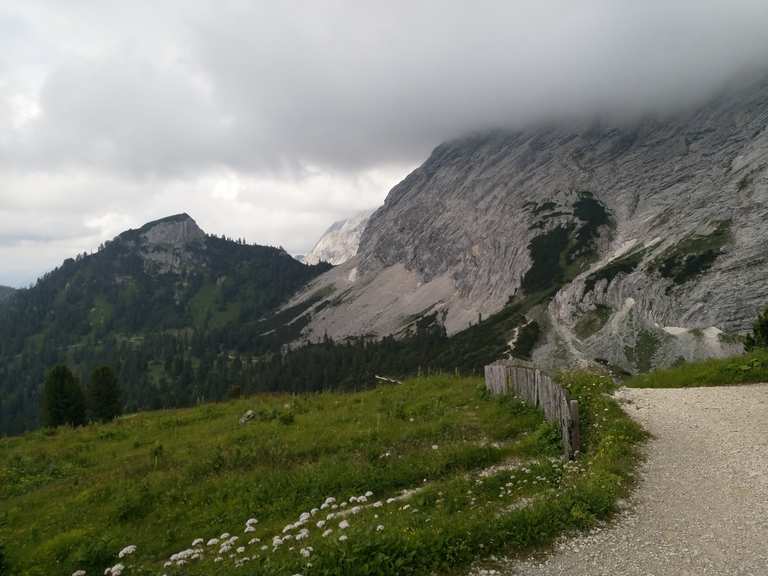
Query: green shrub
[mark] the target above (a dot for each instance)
(759, 336)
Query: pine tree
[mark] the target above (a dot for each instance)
(759, 336)
(104, 395)
(63, 399)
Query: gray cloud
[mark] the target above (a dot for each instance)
(127, 109)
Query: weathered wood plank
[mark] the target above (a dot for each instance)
(522, 379)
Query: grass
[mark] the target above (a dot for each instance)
(592, 321)
(71, 499)
(746, 369)
(645, 348)
(693, 255)
(625, 264)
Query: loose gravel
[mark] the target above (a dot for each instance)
(701, 505)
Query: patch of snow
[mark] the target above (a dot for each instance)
(712, 332)
(675, 330)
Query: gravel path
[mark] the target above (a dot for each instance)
(701, 507)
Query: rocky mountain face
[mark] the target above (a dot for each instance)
(340, 242)
(165, 245)
(635, 246)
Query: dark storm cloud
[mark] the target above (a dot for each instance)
(270, 85)
(270, 119)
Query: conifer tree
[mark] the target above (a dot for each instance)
(104, 395)
(63, 399)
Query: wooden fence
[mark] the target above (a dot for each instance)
(537, 389)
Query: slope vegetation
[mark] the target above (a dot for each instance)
(148, 291)
(403, 479)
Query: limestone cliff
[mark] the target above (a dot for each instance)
(340, 242)
(636, 245)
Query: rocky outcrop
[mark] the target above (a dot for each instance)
(168, 245)
(340, 242)
(635, 245)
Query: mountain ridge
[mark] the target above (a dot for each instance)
(340, 241)
(136, 301)
(685, 202)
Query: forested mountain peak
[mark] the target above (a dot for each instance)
(166, 280)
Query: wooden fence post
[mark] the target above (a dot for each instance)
(538, 390)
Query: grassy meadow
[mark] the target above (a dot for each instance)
(746, 369)
(413, 478)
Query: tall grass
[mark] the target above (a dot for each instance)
(746, 369)
(70, 499)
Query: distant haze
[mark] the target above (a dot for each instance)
(270, 120)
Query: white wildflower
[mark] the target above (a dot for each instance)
(197, 542)
(251, 521)
(379, 528)
(320, 523)
(378, 504)
(240, 549)
(343, 524)
(78, 573)
(368, 494)
(224, 536)
(327, 533)
(253, 541)
(127, 551)
(306, 552)
(212, 542)
(342, 538)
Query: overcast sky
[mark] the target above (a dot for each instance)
(269, 120)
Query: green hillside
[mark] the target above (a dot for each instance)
(471, 475)
(147, 291)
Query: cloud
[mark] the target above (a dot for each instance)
(271, 119)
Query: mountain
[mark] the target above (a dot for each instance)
(636, 245)
(339, 243)
(155, 303)
(5, 292)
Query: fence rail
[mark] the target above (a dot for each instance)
(537, 389)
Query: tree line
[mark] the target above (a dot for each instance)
(66, 402)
